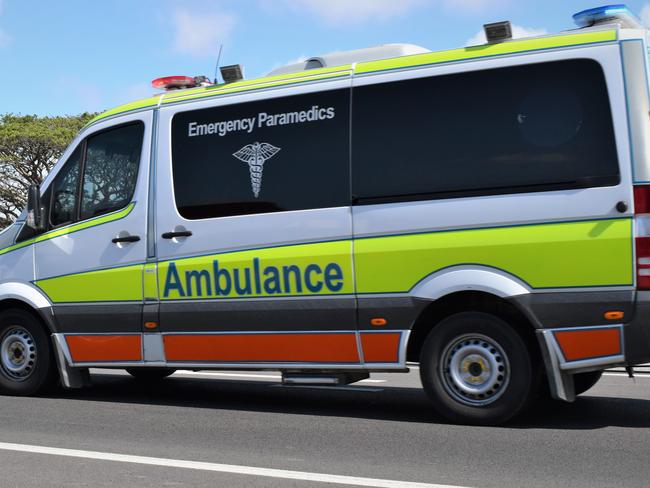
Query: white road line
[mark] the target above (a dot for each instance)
(249, 375)
(220, 468)
(624, 375)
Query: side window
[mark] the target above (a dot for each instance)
(269, 156)
(538, 127)
(110, 170)
(109, 163)
(65, 189)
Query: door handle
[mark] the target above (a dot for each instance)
(117, 240)
(180, 233)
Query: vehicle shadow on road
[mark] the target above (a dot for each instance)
(587, 413)
(387, 403)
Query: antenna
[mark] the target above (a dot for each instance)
(216, 68)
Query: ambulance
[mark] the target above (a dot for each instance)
(483, 213)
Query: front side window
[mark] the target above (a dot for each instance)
(274, 155)
(110, 170)
(65, 189)
(109, 164)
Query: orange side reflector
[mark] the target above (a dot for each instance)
(378, 321)
(151, 325)
(379, 347)
(614, 315)
(292, 347)
(588, 344)
(105, 348)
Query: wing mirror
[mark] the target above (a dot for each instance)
(34, 210)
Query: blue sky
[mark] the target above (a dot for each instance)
(70, 56)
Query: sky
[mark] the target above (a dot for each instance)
(72, 56)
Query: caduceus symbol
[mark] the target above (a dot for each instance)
(256, 155)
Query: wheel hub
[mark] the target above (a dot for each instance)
(475, 370)
(17, 354)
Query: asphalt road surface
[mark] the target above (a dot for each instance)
(234, 429)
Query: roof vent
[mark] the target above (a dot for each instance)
(314, 63)
(498, 31)
(232, 73)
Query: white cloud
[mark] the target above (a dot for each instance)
(472, 6)
(199, 34)
(334, 12)
(645, 14)
(517, 32)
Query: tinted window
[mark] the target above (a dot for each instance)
(527, 128)
(65, 189)
(275, 155)
(111, 170)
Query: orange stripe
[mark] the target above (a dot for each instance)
(86, 349)
(309, 348)
(586, 344)
(380, 347)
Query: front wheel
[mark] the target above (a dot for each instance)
(477, 369)
(26, 358)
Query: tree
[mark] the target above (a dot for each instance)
(29, 147)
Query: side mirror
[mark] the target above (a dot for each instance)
(34, 210)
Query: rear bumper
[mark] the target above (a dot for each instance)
(637, 332)
(574, 337)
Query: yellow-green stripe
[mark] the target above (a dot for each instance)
(486, 50)
(108, 285)
(572, 254)
(72, 228)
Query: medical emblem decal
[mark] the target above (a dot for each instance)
(255, 155)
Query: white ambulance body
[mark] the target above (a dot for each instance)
(481, 211)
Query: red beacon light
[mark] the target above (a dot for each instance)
(180, 82)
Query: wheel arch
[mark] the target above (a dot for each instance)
(27, 297)
(469, 301)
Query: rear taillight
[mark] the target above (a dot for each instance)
(642, 225)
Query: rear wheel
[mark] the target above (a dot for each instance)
(477, 369)
(26, 357)
(150, 374)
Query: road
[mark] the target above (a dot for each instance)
(376, 433)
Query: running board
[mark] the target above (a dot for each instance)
(323, 379)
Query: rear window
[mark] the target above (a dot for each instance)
(527, 128)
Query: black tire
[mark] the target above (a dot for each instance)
(150, 374)
(584, 381)
(27, 365)
(495, 358)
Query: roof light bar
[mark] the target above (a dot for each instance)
(608, 14)
(174, 82)
(180, 82)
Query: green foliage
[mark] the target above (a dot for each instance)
(29, 147)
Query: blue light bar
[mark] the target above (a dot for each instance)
(608, 14)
